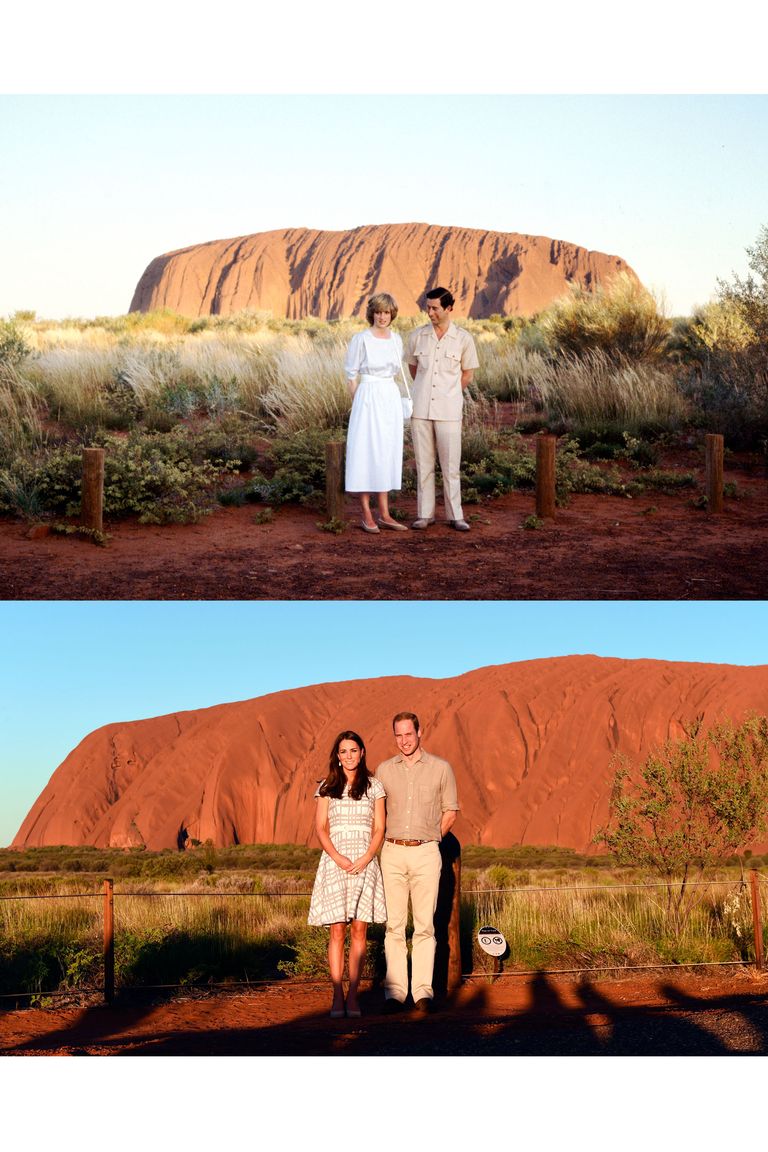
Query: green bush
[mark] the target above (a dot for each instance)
(160, 479)
(620, 320)
(728, 343)
(295, 468)
(14, 348)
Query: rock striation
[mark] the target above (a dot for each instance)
(300, 272)
(531, 744)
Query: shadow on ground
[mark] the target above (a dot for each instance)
(588, 1023)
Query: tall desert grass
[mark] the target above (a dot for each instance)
(309, 389)
(595, 392)
(584, 927)
(20, 427)
(236, 926)
(507, 370)
(73, 379)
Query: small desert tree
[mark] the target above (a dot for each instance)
(731, 385)
(693, 802)
(750, 296)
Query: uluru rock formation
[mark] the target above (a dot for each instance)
(531, 744)
(299, 272)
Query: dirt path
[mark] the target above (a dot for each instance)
(724, 1012)
(598, 548)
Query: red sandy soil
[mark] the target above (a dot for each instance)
(720, 1012)
(598, 547)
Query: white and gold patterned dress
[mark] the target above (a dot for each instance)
(336, 896)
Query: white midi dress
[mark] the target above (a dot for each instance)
(375, 433)
(338, 897)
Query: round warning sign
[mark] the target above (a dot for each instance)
(492, 941)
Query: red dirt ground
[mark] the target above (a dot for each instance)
(720, 1012)
(598, 548)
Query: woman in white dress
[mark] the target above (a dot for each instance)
(348, 887)
(375, 435)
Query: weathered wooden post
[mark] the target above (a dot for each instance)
(545, 476)
(92, 490)
(714, 450)
(757, 920)
(334, 480)
(109, 941)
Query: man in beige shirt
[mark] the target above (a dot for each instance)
(421, 807)
(441, 359)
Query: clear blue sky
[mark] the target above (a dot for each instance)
(94, 187)
(76, 666)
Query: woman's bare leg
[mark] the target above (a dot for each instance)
(365, 507)
(357, 938)
(382, 499)
(336, 964)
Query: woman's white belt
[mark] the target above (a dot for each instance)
(376, 379)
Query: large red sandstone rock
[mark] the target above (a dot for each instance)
(531, 744)
(301, 272)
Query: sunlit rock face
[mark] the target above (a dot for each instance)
(300, 272)
(531, 744)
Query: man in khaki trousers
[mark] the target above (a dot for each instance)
(441, 359)
(421, 808)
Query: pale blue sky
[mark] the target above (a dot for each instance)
(93, 187)
(76, 666)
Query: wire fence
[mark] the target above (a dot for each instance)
(598, 924)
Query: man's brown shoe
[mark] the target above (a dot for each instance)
(423, 1007)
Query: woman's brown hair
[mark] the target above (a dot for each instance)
(336, 779)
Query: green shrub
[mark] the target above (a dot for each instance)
(295, 467)
(14, 348)
(152, 476)
(621, 320)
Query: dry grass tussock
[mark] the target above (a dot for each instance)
(20, 427)
(309, 389)
(596, 390)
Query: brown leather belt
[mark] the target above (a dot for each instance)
(405, 843)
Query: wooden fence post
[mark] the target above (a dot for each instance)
(109, 941)
(545, 476)
(92, 490)
(757, 920)
(334, 475)
(714, 450)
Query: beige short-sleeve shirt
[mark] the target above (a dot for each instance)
(437, 392)
(417, 795)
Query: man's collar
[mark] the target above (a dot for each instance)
(450, 330)
(423, 754)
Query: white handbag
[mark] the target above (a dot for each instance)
(407, 400)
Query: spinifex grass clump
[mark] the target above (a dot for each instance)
(603, 398)
(309, 390)
(21, 430)
(620, 320)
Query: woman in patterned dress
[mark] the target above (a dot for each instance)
(348, 888)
